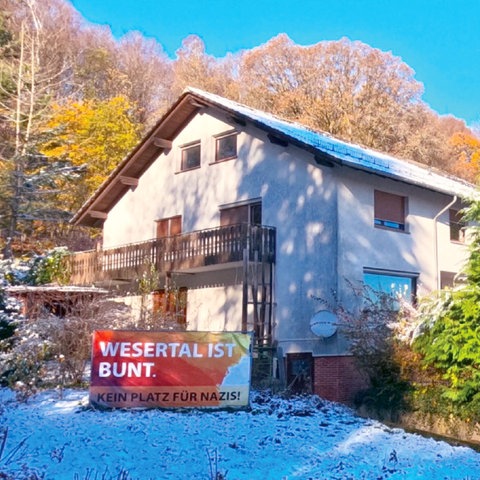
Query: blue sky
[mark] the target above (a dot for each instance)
(439, 39)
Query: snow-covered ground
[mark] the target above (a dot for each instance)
(302, 438)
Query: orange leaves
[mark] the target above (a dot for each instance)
(346, 88)
(467, 149)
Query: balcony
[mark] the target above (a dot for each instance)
(189, 251)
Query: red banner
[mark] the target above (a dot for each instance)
(170, 369)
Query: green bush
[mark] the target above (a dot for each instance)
(450, 339)
(7, 323)
(450, 344)
(50, 267)
(376, 340)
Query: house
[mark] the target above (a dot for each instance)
(252, 218)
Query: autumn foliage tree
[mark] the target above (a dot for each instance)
(94, 135)
(147, 77)
(195, 68)
(63, 80)
(353, 91)
(31, 74)
(467, 158)
(348, 89)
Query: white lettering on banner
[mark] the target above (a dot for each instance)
(165, 350)
(216, 350)
(125, 369)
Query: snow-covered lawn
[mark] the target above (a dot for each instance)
(302, 438)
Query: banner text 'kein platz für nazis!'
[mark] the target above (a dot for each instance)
(170, 369)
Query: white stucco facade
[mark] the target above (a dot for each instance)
(324, 220)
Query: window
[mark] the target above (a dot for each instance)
(190, 156)
(249, 213)
(398, 285)
(170, 306)
(168, 227)
(226, 147)
(447, 279)
(389, 210)
(457, 226)
(451, 279)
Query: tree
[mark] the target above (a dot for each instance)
(425, 137)
(146, 77)
(94, 72)
(93, 135)
(32, 74)
(467, 155)
(346, 88)
(450, 340)
(22, 86)
(351, 90)
(195, 68)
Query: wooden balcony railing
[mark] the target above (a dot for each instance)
(190, 250)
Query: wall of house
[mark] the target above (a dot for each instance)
(355, 244)
(362, 245)
(325, 233)
(337, 378)
(298, 198)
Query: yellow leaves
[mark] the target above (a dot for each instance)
(95, 134)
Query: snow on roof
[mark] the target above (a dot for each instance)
(349, 154)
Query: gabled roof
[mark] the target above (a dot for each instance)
(326, 149)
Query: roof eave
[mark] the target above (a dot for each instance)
(159, 138)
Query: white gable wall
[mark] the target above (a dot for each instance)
(297, 197)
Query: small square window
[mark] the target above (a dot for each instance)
(190, 157)
(447, 279)
(226, 147)
(389, 210)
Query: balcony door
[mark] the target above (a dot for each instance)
(250, 213)
(168, 227)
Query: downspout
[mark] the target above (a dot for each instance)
(435, 219)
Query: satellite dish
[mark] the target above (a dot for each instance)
(324, 324)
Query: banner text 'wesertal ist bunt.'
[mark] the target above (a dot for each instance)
(170, 369)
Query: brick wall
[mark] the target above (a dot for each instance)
(337, 378)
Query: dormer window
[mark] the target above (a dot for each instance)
(191, 155)
(226, 147)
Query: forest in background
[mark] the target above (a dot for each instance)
(74, 101)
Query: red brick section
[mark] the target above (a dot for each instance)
(337, 378)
